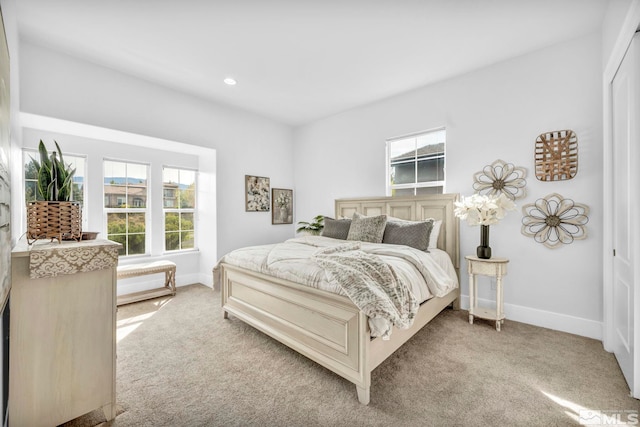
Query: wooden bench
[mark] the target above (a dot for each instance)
(135, 270)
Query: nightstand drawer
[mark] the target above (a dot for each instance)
(487, 268)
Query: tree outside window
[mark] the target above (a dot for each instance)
(125, 205)
(179, 202)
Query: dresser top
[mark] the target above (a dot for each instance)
(23, 249)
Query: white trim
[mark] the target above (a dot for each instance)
(390, 187)
(179, 211)
(411, 135)
(629, 27)
(148, 231)
(545, 319)
(418, 185)
(206, 279)
(51, 124)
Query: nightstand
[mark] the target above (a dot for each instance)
(493, 267)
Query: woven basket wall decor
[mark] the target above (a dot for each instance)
(556, 155)
(54, 220)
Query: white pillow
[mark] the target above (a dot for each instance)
(435, 233)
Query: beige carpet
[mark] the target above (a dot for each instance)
(182, 364)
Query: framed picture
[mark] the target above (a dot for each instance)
(256, 193)
(282, 212)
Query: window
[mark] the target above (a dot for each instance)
(78, 186)
(416, 163)
(179, 201)
(125, 205)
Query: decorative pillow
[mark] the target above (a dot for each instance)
(409, 233)
(336, 228)
(367, 228)
(435, 233)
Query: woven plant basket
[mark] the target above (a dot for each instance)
(54, 220)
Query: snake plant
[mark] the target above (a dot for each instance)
(55, 179)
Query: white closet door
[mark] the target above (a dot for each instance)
(626, 162)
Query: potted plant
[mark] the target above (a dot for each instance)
(314, 227)
(53, 215)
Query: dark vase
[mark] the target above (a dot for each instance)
(484, 250)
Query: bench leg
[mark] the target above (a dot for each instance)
(170, 280)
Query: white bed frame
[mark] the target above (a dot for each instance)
(328, 328)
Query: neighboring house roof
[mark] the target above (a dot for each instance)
(426, 151)
(121, 190)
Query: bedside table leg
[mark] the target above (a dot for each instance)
(472, 299)
(499, 298)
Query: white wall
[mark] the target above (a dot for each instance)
(493, 113)
(617, 12)
(496, 112)
(61, 86)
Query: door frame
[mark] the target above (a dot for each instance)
(626, 34)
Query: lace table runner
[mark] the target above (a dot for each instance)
(70, 258)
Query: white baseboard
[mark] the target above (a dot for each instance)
(129, 286)
(546, 319)
(206, 279)
(532, 316)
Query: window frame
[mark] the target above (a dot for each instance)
(28, 152)
(146, 210)
(179, 211)
(415, 185)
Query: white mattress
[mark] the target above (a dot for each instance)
(428, 274)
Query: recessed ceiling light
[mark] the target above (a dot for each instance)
(230, 81)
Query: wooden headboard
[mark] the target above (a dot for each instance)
(413, 208)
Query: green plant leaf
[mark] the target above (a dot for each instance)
(59, 151)
(55, 179)
(316, 225)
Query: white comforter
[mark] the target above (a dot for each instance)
(428, 274)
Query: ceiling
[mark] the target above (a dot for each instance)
(297, 61)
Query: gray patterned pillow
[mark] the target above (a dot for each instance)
(409, 233)
(336, 228)
(367, 228)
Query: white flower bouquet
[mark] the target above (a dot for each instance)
(483, 210)
(283, 200)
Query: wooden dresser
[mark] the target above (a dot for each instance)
(63, 331)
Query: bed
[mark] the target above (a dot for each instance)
(327, 327)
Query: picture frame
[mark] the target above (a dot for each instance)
(256, 193)
(282, 206)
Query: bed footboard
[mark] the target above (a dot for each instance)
(327, 328)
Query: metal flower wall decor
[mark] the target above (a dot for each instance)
(501, 177)
(554, 221)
